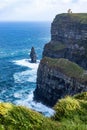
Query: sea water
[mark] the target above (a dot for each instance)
(17, 74)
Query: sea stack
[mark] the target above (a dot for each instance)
(33, 55)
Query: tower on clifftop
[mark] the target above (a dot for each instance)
(69, 11)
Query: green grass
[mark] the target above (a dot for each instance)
(81, 96)
(55, 46)
(67, 67)
(71, 114)
(20, 118)
(79, 17)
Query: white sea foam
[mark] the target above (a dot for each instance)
(28, 75)
(17, 95)
(25, 76)
(45, 38)
(27, 63)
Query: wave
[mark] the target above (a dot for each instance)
(44, 38)
(26, 99)
(28, 75)
(27, 63)
(25, 76)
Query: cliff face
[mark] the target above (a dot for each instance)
(57, 78)
(68, 38)
(57, 75)
(69, 28)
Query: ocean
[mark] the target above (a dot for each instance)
(17, 74)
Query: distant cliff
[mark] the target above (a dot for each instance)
(69, 28)
(68, 38)
(58, 75)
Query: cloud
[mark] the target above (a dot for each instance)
(35, 10)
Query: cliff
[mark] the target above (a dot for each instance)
(62, 70)
(69, 28)
(68, 38)
(57, 78)
(70, 115)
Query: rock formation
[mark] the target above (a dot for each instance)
(68, 38)
(57, 78)
(33, 55)
(57, 74)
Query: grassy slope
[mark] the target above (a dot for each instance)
(19, 118)
(67, 67)
(71, 114)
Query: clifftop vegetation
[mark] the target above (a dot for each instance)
(55, 46)
(67, 67)
(71, 114)
(79, 17)
(20, 118)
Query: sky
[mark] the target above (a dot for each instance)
(38, 10)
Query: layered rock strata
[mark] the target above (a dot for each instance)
(58, 74)
(68, 38)
(57, 78)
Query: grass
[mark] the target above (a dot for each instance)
(67, 67)
(55, 46)
(79, 17)
(81, 96)
(71, 114)
(20, 118)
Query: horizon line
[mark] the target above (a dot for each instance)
(26, 21)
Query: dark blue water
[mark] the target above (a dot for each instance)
(17, 74)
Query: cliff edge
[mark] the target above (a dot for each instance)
(68, 38)
(62, 71)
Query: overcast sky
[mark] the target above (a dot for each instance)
(38, 10)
